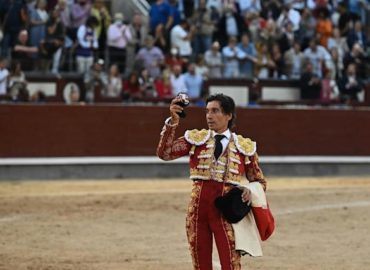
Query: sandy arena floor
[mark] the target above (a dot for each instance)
(322, 223)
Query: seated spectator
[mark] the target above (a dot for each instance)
(152, 57)
(329, 88)
(232, 56)
(163, 85)
(177, 81)
(201, 67)
(131, 88)
(97, 79)
(114, 85)
(337, 69)
(351, 87)
(4, 76)
(293, 59)
(147, 84)
(87, 43)
(23, 52)
(358, 57)
(174, 59)
(193, 82)
(247, 64)
(213, 59)
(17, 80)
(310, 83)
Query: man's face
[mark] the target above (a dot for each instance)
(217, 120)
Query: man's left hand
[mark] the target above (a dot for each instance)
(246, 195)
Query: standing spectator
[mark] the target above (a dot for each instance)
(293, 59)
(351, 86)
(247, 6)
(114, 85)
(101, 13)
(193, 82)
(22, 51)
(160, 39)
(289, 14)
(324, 27)
(119, 35)
(287, 37)
(269, 35)
(65, 11)
(175, 12)
(213, 59)
(357, 35)
(310, 83)
(339, 42)
(230, 24)
(337, 69)
(87, 42)
(178, 81)
(152, 57)
(4, 76)
(181, 36)
(317, 55)
(232, 56)
(139, 32)
(51, 46)
(204, 28)
(307, 27)
(80, 12)
(247, 64)
(14, 18)
(38, 18)
(160, 13)
(278, 69)
(264, 62)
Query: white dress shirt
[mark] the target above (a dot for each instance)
(225, 141)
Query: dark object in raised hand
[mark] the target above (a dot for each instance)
(183, 103)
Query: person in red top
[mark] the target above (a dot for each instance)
(163, 85)
(131, 88)
(219, 161)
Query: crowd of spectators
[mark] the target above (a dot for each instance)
(324, 44)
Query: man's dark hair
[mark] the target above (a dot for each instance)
(227, 104)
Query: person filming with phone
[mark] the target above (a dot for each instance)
(220, 160)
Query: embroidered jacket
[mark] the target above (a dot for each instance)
(239, 158)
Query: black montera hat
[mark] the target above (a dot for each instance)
(231, 205)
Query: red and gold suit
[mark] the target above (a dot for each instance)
(211, 178)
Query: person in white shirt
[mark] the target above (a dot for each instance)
(4, 74)
(181, 36)
(232, 55)
(118, 37)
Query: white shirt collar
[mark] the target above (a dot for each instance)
(227, 134)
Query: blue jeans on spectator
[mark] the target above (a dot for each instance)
(201, 43)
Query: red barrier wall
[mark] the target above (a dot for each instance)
(107, 130)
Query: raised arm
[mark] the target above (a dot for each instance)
(169, 148)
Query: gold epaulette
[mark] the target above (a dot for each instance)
(197, 137)
(245, 145)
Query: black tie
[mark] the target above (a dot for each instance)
(218, 148)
